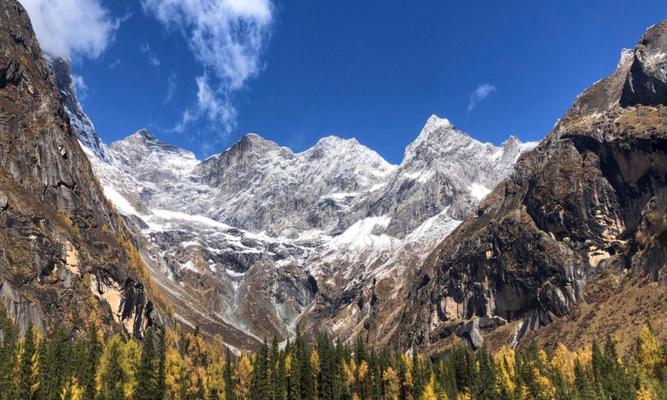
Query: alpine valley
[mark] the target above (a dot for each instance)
(565, 240)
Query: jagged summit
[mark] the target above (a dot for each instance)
(143, 142)
(276, 236)
(333, 140)
(145, 135)
(253, 139)
(646, 83)
(434, 122)
(437, 135)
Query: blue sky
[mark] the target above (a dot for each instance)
(374, 70)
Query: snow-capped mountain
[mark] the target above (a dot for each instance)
(260, 241)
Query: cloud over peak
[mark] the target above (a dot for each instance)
(227, 38)
(479, 94)
(71, 28)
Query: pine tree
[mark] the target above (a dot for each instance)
(327, 368)
(8, 358)
(57, 356)
(609, 373)
(418, 379)
(112, 377)
(307, 384)
(146, 373)
(582, 383)
(230, 383)
(278, 377)
(90, 359)
(260, 388)
(293, 374)
(486, 378)
(160, 388)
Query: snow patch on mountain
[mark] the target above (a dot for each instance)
(479, 191)
(122, 205)
(361, 235)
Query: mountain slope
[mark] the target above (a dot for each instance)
(65, 256)
(260, 241)
(578, 226)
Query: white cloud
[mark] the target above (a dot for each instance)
(114, 64)
(478, 95)
(80, 86)
(227, 38)
(172, 86)
(152, 58)
(71, 28)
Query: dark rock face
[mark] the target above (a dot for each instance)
(645, 84)
(589, 199)
(62, 75)
(58, 234)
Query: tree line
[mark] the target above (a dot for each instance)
(175, 365)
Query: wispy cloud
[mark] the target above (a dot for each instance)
(479, 94)
(72, 28)
(152, 58)
(227, 38)
(114, 64)
(80, 86)
(172, 86)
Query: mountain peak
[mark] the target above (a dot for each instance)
(639, 79)
(145, 142)
(147, 139)
(333, 140)
(253, 137)
(253, 142)
(437, 133)
(144, 135)
(434, 122)
(511, 141)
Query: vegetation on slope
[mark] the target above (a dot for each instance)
(182, 366)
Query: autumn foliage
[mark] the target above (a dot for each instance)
(173, 365)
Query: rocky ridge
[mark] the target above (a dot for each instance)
(580, 222)
(66, 258)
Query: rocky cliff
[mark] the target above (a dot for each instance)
(65, 255)
(576, 239)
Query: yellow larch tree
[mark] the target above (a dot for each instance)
(174, 373)
(563, 360)
(391, 384)
(465, 395)
(547, 391)
(131, 360)
(71, 390)
(363, 371)
(504, 360)
(645, 393)
(649, 352)
(349, 371)
(243, 377)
